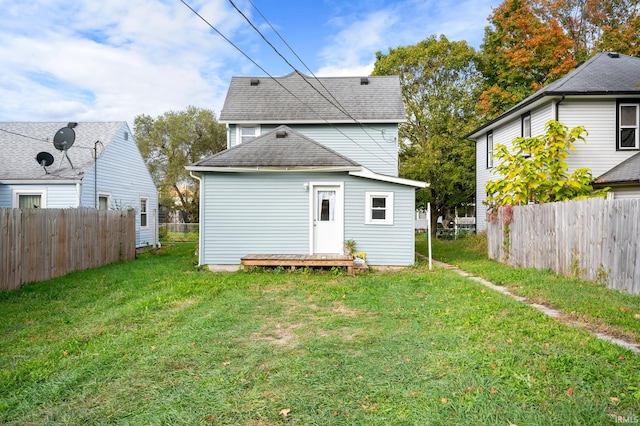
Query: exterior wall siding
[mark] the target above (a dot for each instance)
(268, 213)
(622, 192)
(373, 146)
(123, 175)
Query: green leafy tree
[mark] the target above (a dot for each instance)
(440, 86)
(172, 141)
(536, 170)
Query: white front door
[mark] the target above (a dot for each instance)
(327, 217)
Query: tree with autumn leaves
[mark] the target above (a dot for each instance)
(528, 44)
(531, 43)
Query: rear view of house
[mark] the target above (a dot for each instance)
(71, 165)
(310, 163)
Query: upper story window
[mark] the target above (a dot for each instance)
(247, 133)
(629, 126)
(489, 150)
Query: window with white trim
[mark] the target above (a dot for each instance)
(144, 209)
(628, 126)
(104, 201)
(489, 150)
(379, 208)
(248, 133)
(29, 199)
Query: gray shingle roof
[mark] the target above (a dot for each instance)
(626, 172)
(602, 74)
(269, 150)
(20, 142)
(268, 101)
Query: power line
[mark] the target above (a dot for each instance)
(277, 81)
(25, 136)
(340, 107)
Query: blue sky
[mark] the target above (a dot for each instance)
(87, 60)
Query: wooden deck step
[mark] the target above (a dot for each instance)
(294, 260)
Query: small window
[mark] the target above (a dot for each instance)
(379, 208)
(144, 208)
(489, 150)
(628, 136)
(103, 202)
(247, 134)
(29, 199)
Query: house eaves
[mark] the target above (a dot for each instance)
(604, 75)
(40, 181)
(368, 174)
(232, 169)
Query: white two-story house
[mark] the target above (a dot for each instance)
(603, 95)
(311, 162)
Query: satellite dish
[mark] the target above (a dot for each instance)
(64, 138)
(44, 159)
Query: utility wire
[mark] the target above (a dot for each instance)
(340, 107)
(275, 79)
(25, 136)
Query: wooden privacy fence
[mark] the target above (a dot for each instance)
(596, 239)
(40, 244)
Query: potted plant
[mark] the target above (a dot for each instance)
(349, 247)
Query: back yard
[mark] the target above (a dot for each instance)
(157, 341)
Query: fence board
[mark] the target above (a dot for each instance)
(40, 244)
(595, 238)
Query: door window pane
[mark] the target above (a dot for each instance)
(326, 202)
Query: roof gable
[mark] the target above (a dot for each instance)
(282, 147)
(20, 143)
(296, 97)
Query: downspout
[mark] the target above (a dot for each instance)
(558, 108)
(200, 220)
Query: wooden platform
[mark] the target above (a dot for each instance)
(294, 260)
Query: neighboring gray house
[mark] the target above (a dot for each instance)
(603, 95)
(311, 163)
(118, 180)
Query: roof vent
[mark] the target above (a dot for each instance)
(364, 81)
(613, 54)
(281, 133)
(72, 125)
(255, 81)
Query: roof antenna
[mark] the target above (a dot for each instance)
(45, 160)
(63, 140)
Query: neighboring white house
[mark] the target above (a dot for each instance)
(603, 95)
(311, 163)
(36, 171)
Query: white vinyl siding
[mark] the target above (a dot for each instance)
(625, 192)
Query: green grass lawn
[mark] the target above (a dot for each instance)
(601, 309)
(157, 341)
